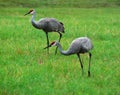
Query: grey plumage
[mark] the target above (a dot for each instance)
(47, 25)
(78, 46)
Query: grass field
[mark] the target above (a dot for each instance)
(27, 69)
(60, 3)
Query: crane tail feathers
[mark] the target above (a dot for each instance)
(63, 27)
(61, 23)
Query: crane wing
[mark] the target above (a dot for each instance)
(51, 25)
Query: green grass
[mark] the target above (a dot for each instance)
(27, 69)
(60, 3)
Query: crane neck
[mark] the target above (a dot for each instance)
(33, 16)
(34, 23)
(61, 50)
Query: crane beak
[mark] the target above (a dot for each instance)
(47, 46)
(27, 13)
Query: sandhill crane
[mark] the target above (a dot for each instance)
(78, 46)
(47, 25)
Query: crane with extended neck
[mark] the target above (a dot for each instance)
(47, 25)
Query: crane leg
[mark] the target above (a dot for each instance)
(47, 42)
(59, 41)
(89, 64)
(80, 63)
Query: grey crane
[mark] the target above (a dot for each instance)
(78, 46)
(47, 25)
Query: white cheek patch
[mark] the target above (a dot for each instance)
(54, 44)
(31, 12)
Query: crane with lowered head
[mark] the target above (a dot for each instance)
(78, 46)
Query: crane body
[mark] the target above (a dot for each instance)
(47, 25)
(78, 46)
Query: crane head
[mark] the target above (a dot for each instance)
(30, 12)
(52, 44)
